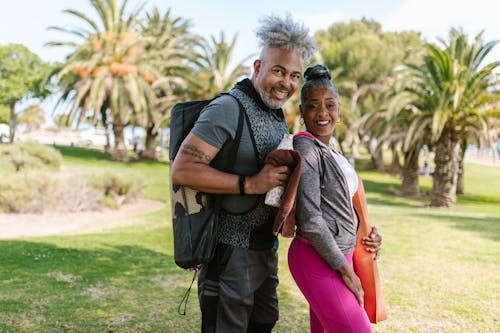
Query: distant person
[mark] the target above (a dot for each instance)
(135, 143)
(426, 168)
(320, 256)
(237, 290)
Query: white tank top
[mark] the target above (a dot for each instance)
(347, 169)
(349, 172)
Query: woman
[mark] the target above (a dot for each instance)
(320, 256)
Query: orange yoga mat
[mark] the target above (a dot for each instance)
(365, 264)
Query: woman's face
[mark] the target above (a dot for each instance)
(320, 112)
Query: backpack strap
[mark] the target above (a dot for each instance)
(229, 155)
(226, 158)
(228, 164)
(185, 298)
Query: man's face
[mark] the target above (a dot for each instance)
(277, 75)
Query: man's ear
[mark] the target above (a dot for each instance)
(256, 66)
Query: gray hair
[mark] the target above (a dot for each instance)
(286, 33)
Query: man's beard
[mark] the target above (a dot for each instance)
(271, 103)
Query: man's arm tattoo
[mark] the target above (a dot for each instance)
(189, 149)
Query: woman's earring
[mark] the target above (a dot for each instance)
(301, 121)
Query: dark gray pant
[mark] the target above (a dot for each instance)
(237, 291)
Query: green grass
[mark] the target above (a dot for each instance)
(155, 175)
(439, 267)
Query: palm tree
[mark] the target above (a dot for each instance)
(451, 93)
(387, 125)
(412, 140)
(105, 68)
(366, 107)
(168, 45)
(405, 131)
(483, 135)
(211, 73)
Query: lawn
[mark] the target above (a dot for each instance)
(439, 267)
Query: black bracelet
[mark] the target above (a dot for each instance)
(241, 183)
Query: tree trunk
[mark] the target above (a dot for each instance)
(378, 160)
(354, 147)
(446, 172)
(355, 151)
(409, 185)
(341, 146)
(395, 167)
(12, 121)
(460, 180)
(104, 118)
(119, 152)
(150, 146)
(107, 147)
(376, 155)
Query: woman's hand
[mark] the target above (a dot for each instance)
(373, 242)
(352, 282)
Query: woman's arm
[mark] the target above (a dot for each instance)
(352, 282)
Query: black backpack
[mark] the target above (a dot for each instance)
(194, 213)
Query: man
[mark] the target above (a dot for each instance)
(237, 290)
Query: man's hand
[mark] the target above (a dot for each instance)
(267, 178)
(373, 242)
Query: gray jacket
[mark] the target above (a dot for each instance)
(324, 216)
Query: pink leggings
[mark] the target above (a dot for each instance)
(333, 308)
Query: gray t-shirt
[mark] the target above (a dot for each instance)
(217, 123)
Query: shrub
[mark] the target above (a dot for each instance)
(18, 158)
(117, 189)
(26, 192)
(38, 191)
(74, 194)
(30, 155)
(48, 155)
(30, 183)
(26, 189)
(6, 167)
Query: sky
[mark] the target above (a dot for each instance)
(26, 21)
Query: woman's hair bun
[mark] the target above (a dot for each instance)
(317, 72)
